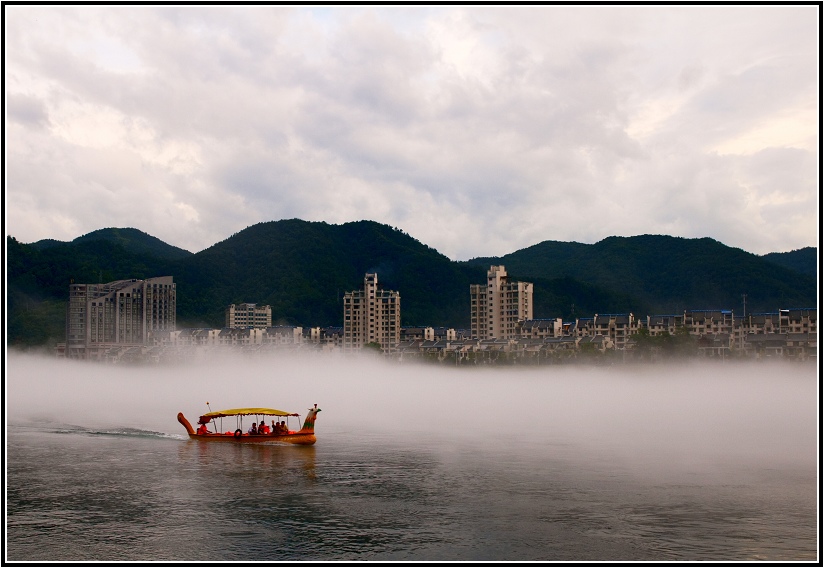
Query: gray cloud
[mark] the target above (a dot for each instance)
(28, 111)
(477, 130)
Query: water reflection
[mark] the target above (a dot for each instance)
(249, 461)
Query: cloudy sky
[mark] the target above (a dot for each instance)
(477, 130)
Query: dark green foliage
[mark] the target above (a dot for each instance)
(47, 243)
(568, 298)
(136, 242)
(662, 274)
(800, 260)
(32, 322)
(302, 270)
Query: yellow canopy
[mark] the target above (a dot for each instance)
(248, 411)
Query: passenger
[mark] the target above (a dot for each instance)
(203, 430)
(253, 429)
(283, 428)
(274, 428)
(263, 429)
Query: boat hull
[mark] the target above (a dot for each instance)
(306, 439)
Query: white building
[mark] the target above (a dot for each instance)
(497, 307)
(248, 315)
(371, 315)
(117, 314)
(540, 328)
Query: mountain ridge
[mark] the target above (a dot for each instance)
(130, 238)
(302, 269)
(701, 270)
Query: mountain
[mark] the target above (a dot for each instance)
(801, 260)
(132, 240)
(302, 269)
(666, 274)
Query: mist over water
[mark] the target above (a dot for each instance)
(687, 413)
(689, 425)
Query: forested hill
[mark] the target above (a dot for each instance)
(802, 260)
(302, 269)
(668, 274)
(133, 240)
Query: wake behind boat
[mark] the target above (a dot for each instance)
(211, 426)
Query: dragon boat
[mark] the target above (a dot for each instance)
(305, 436)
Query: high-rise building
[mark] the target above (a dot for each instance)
(116, 314)
(497, 307)
(371, 315)
(248, 315)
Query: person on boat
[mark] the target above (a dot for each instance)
(283, 428)
(263, 429)
(253, 428)
(274, 428)
(203, 430)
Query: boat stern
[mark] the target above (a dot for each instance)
(186, 424)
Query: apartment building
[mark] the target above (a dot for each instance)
(618, 327)
(715, 345)
(700, 322)
(497, 307)
(331, 337)
(232, 337)
(283, 335)
(116, 314)
(371, 315)
(328, 338)
(584, 327)
(661, 324)
(540, 328)
(193, 337)
(414, 333)
(248, 316)
(798, 320)
(763, 323)
(447, 333)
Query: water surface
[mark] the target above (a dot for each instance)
(701, 463)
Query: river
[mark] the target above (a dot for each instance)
(695, 462)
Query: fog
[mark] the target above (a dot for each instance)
(654, 418)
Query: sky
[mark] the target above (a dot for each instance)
(478, 130)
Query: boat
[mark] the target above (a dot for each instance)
(305, 436)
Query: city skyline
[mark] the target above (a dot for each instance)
(127, 314)
(479, 130)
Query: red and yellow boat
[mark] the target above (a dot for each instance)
(305, 436)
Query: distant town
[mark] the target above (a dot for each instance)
(130, 321)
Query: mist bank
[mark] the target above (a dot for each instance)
(695, 414)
